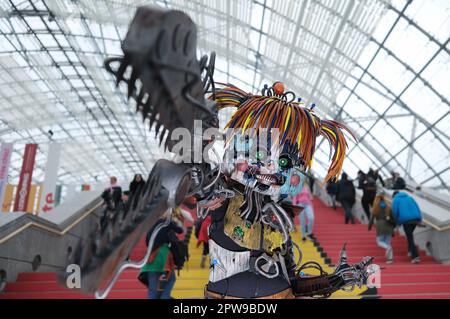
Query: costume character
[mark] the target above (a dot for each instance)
(270, 147)
(270, 143)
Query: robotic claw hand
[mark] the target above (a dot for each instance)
(345, 277)
(352, 275)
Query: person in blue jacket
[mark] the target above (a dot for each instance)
(407, 213)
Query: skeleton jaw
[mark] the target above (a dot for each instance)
(266, 184)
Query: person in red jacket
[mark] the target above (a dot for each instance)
(203, 238)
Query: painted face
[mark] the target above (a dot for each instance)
(269, 171)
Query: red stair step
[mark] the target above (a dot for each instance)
(401, 279)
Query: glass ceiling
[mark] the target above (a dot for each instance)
(381, 67)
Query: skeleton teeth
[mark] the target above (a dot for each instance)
(266, 179)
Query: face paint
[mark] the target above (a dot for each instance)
(269, 172)
(295, 179)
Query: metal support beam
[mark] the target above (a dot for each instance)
(411, 150)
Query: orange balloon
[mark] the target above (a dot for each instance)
(278, 88)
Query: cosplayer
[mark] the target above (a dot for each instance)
(270, 143)
(251, 251)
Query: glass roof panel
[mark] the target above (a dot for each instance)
(381, 67)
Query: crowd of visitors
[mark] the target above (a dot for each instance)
(386, 215)
(168, 253)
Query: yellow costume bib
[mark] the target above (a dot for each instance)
(254, 236)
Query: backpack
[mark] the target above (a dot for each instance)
(386, 216)
(179, 251)
(371, 185)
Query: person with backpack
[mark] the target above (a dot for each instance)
(332, 191)
(369, 192)
(346, 196)
(158, 274)
(385, 225)
(407, 213)
(113, 194)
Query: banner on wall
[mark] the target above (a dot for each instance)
(8, 198)
(48, 196)
(32, 199)
(26, 174)
(5, 159)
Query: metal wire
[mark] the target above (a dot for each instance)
(285, 215)
(271, 262)
(219, 169)
(300, 257)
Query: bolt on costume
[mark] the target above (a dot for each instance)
(269, 146)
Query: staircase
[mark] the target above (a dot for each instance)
(401, 279)
(190, 283)
(44, 285)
